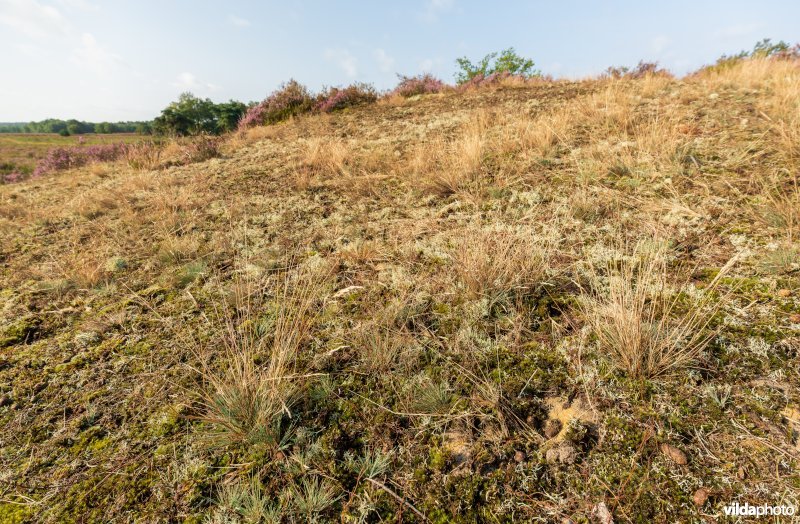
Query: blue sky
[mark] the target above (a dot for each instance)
(125, 60)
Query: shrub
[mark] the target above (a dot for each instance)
(200, 149)
(641, 70)
(764, 49)
(480, 80)
(290, 99)
(505, 62)
(336, 98)
(14, 176)
(62, 158)
(418, 85)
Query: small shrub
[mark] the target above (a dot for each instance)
(290, 99)
(62, 158)
(494, 79)
(13, 177)
(763, 49)
(418, 85)
(336, 98)
(642, 70)
(200, 149)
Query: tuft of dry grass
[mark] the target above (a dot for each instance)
(491, 262)
(143, 156)
(644, 324)
(449, 167)
(533, 138)
(245, 399)
(781, 207)
(322, 160)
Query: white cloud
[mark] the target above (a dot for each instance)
(32, 18)
(346, 61)
(238, 21)
(94, 57)
(385, 62)
(659, 43)
(189, 82)
(83, 5)
(434, 8)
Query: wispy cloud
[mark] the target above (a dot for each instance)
(238, 21)
(433, 9)
(189, 82)
(344, 59)
(385, 62)
(83, 5)
(32, 18)
(659, 43)
(94, 57)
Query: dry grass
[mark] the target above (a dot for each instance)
(781, 207)
(455, 166)
(245, 400)
(638, 316)
(494, 261)
(143, 156)
(323, 161)
(540, 135)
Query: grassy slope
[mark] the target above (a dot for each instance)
(449, 237)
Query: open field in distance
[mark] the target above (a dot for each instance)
(21, 151)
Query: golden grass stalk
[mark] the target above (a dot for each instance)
(647, 328)
(781, 209)
(490, 262)
(245, 399)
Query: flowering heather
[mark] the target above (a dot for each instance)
(418, 85)
(13, 177)
(480, 80)
(641, 70)
(61, 158)
(201, 148)
(291, 98)
(335, 98)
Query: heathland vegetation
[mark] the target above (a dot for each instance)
(516, 299)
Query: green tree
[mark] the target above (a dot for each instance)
(228, 115)
(191, 115)
(506, 61)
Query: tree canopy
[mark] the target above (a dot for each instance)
(506, 61)
(191, 115)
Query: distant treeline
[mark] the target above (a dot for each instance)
(75, 127)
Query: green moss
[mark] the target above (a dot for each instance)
(20, 331)
(15, 513)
